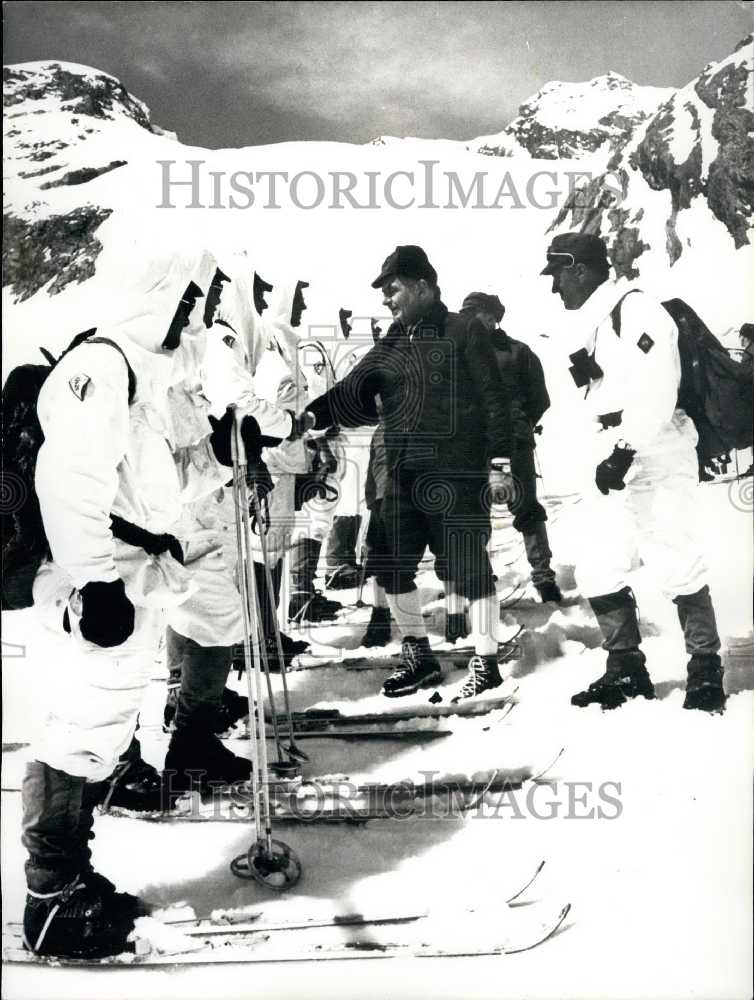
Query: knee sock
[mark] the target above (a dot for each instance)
(407, 614)
(484, 614)
(455, 604)
(379, 597)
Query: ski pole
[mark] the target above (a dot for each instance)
(293, 749)
(251, 654)
(270, 862)
(262, 817)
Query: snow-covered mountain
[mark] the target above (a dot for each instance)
(570, 120)
(562, 121)
(680, 192)
(671, 189)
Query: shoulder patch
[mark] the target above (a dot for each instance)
(79, 385)
(645, 343)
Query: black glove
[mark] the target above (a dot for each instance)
(153, 545)
(222, 429)
(258, 477)
(610, 472)
(107, 618)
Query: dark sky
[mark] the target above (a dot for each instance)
(234, 74)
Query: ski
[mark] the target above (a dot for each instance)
(257, 943)
(455, 657)
(336, 799)
(248, 921)
(329, 721)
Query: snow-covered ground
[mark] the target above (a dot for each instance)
(644, 821)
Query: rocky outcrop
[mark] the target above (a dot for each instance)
(58, 249)
(698, 145)
(573, 120)
(90, 93)
(84, 174)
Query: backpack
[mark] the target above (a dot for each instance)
(24, 542)
(715, 390)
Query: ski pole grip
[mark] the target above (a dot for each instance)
(237, 447)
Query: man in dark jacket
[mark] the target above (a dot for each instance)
(522, 375)
(448, 438)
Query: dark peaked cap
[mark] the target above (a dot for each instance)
(406, 262)
(568, 249)
(482, 302)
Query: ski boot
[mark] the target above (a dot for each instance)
(484, 675)
(417, 668)
(549, 591)
(78, 920)
(343, 578)
(134, 785)
(293, 647)
(118, 902)
(704, 687)
(307, 608)
(456, 626)
(196, 760)
(233, 707)
(625, 677)
(378, 630)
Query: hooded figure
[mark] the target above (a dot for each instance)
(101, 456)
(213, 617)
(205, 627)
(110, 449)
(281, 380)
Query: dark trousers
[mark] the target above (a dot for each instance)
(58, 816)
(341, 541)
(378, 556)
(203, 671)
(529, 515)
(447, 512)
(526, 509)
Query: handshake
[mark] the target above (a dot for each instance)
(300, 424)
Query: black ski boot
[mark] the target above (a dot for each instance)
(119, 903)
(456, 626)
(307, 608)
(233, 707)
(549, 591)
(484, 675)
(196, 760)
(77, 920)
(704, 687)
(625, 677)
(345, 577)
(293, 647)
(134, 784)
(378, 630)
(625, 671)
(417, 668)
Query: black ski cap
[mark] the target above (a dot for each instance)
(406, 262)
(568, 249)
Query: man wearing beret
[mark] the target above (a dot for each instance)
(522, 374)
(642, 468)
(448, 439)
